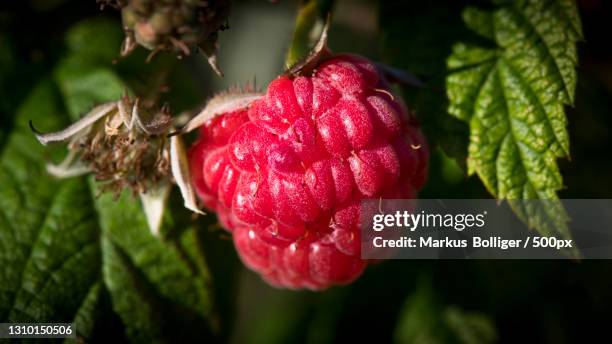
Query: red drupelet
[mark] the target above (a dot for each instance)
(287, 174)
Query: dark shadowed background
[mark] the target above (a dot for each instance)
(402, 301)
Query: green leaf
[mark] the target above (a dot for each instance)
(106, 34)
(424, 319)
(62, 259)
(85, 318)
(469, 327)
(48, 232)
(84, 87)
(68, 254)
(512, 92)
(139, 269)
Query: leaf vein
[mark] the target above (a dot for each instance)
(540, 38)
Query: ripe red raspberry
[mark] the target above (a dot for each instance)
(286, 175)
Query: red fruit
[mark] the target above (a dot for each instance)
(286, 174)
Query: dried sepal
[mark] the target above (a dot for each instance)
(210, 48)
(128, 45)
(181, 173)
(154, 204)
(318, 53)
(214, 64)
(152, 123)
(126, 109)
(76, 128)
(222, 103)
(70, 167)
(125, 144)
(111, 3)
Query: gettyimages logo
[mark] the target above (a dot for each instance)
(410, 221)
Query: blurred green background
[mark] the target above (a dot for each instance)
(394, 301)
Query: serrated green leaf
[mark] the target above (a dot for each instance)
(121, 275)
(85, 318)
(65, 252)
(62, 261)
(85, 86)
(169, 278)
(124, 224)
(47, 232)
(512, 96)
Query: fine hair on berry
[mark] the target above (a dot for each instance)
(287, 173)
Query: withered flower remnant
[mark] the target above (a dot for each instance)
(179, 26)
(127, 145)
